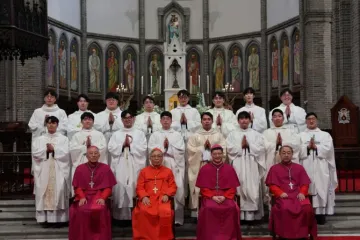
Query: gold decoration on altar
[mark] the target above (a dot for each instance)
(173, 102)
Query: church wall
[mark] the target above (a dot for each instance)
(196, 17)
(66, 11)
(279, 11)
(113, 17)
(232, 17)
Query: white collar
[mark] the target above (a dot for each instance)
(53, 108)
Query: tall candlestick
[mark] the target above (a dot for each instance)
(199, 83)
(208, 84)
(151, 92)
(142, 85)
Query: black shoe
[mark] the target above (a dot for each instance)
(320, 219)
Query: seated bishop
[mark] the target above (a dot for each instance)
(224, 119)
(74, 119)
(109, 120)
(85, 138)
(171, 143)
(148, 121)
(246, 151)
(153, 215)
(90, 212)
(257, 114)
(294, 115)
(51, 165)
(292, 216)
(219, 215)
(198, 148)
(128, 150)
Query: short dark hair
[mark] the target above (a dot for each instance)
(216, 148)
(166, 114)
(207, 114)
(183, 92)
(220, 94)
(284, 146)
(87, 115)
(125, 112)
(52, 119)
(286, 90)
(277, 110)
(112, 95)
(84, 96)
(51, 92)
(311, 114)
(248, 90)
(148, 97)
(244, 115)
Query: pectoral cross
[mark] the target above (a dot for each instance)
(155, 189)
(91, 184)
(291, 185)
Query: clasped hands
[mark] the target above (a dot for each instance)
(127, 141)
(219, 120)
(218, 199)
(300, 196)
(146, 200)
(111, 118)
(83, 201)
(207, 145)
(244, 143)
(183, 119)
(49, 148)
(312, 144)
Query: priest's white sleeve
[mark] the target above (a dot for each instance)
(100, 143)
(299, 117)
(260, 122)
(36, 125)
(194, 122)
(257, 149)
(228, 126)
(177, 151)
(62, 158)
(38, 152)
(138, 149)
(72, 127)
(63, 122)
(234, 149)
(77, 150)
(115, 147)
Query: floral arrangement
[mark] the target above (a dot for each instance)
(201, 107)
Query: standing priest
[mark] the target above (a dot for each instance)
(224, 119)
(109, 120)
(173, 148)
(246, 148)
(198, 148)
(51, 166)
(128, 149)
(149, 120)
(319, 163)
(85, 138)
(74, 119)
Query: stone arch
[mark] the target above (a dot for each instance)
(217, 80)
(129, 49)
(255, 74)
(235, 76)
(199, 56)
(96, 84)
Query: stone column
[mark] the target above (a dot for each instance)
(206, 44)
(142, 62)
(317, 52)
(84, 81)
(265, 85)
(352, 65)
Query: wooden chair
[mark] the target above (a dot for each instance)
(172, 203)
(272, 203)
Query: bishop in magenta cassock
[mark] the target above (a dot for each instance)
(292, 216)
(90, 213)
(153, 217)
(219, 215)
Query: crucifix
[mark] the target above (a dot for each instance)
(91, 184)
(155, 189)
(291, 185)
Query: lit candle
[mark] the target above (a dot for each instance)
(199, 82)
(208, 84)
(151, 85)
(142, 85)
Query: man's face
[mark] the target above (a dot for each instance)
(49, 100)
(93, 154)
(128, 121)
(94, 52)
(156, 158)
(253, 50)
(218, 101)
(286, 98)
(244, 123)
(206, 122)
(235, 53)
(111, 103)
(217, 156)
(51, 127)
(149, 105)
(184, 100)
(166, 122)
(311, 122)
(286, 154)
(87, 123)
(278, 119)
(82, 104)
(249, 98)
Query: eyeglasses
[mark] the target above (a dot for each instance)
(127, 118)
(156, 156)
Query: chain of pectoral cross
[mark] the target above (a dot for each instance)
(92, 176)
(290, 184)
(155, 189)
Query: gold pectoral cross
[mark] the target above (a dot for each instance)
(91, 184)
(155, 189)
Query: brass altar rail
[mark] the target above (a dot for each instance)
(15, 175)
(348, 167)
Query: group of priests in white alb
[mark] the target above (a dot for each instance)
(124, 140)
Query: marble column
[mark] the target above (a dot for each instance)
(83, 81)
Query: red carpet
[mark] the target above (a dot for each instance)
(319, 238)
